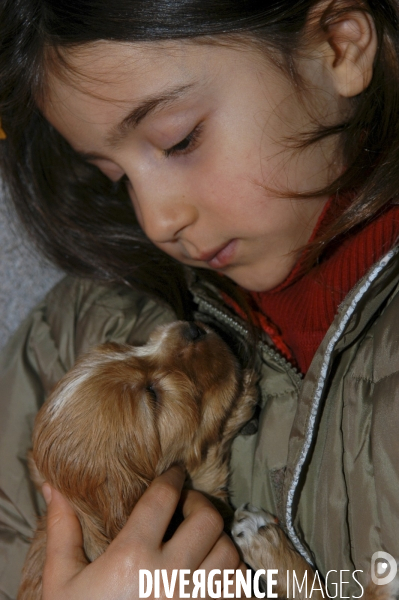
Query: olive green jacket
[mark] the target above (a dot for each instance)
(322, 454)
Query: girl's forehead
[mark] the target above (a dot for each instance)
(98, 69)
(112, 70)
(92, 67)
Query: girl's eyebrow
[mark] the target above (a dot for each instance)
(147, 106)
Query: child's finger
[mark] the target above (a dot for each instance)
(151, 516)
(199, 532)
(224, 555)
(65, 557)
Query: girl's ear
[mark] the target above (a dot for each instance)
(349, 49)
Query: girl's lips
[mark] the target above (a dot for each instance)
(224, 256)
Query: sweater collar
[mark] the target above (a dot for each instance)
(297, 313)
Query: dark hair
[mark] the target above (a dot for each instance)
(85, 223)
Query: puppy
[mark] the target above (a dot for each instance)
(123, 415)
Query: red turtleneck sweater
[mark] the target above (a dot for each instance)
(297, 313)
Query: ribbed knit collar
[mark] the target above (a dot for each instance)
(297, 313)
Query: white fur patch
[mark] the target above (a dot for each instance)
(247, 521)
(153, 346)
(66, 393)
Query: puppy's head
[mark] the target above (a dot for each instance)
(124, 414)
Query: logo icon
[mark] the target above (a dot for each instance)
(383, 568)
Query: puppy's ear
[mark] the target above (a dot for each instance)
(36, 477)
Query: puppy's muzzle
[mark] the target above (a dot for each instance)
(193, 331)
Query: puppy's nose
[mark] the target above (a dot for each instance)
(192, 331)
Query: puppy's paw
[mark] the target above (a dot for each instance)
(262, 543)
(248, 523)
(254, 527)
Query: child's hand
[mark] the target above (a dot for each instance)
(199, 543)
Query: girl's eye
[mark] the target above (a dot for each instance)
(188, 144)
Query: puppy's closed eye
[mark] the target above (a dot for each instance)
(153, 394)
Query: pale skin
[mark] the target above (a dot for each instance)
(207, 170)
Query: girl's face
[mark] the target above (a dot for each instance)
(201, 135)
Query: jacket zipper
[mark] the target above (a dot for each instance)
(207, 308)
(380, 266)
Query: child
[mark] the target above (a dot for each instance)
(233, 162)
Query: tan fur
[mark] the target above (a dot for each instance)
(123, 415)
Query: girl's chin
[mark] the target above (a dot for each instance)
(257, 279)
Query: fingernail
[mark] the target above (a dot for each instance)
(46, 491)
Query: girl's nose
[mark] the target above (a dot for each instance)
(164, 218)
